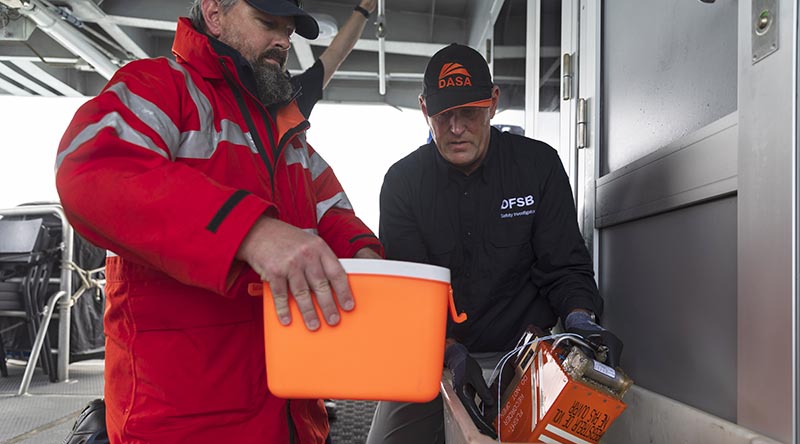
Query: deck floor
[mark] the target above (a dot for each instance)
(46, 414)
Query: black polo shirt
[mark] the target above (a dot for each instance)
(508, 233)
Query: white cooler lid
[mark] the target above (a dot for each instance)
(396, 268)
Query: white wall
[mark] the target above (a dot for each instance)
(30, 129)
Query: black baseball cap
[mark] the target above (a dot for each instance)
(304, 23)
(456, 76)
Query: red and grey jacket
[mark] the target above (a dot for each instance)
(168, 168)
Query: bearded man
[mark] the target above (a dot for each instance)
(197, 177)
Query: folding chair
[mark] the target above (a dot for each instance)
(87, 264)
(26, 261)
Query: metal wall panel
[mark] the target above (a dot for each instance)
(669, 68)
(666, 205)
(669, 282)
(796, 239)
(767, 227)
(703, 292)
(701, 166)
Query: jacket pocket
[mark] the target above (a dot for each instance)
(166, 304)
(511, 248)
(511, 232)
(187, 379)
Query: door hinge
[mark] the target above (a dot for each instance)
(582, 120)
(566, 77)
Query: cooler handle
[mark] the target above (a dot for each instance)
(457, 318)
(255, 289)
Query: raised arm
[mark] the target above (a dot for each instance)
(345, 40)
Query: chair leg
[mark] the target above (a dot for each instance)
(3, 366)
(33, 330)
(35, 306)
(48, 360)
(38, 342)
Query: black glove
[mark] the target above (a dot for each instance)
(467, 382)
(583, 324)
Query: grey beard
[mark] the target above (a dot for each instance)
(272, 84)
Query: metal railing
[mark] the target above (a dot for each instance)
(64, 297)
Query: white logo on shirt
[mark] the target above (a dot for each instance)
(517, 202)
(517, 206)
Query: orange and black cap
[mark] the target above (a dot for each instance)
(456, 76)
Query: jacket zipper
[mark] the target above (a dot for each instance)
(277, 150)
(285, 139)
(262, 152)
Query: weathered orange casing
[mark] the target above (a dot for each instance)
(555, 408)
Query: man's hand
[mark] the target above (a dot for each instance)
(582, 322)
(467, 382)
(466, 371)
(369, 5)
(291, 260)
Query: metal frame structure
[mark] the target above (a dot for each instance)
(750, 154)
(767, 223)
(73, 46)
(64, 297)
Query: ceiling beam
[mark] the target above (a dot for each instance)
(518, 52)
(29, 58)
(25, 81)
(391, 47)
(402, 24)
(68, 36)
(372, 75)
(146, 23)
(481, 23)
(89, 11)
(44, 77)
(155, 10)
(123, 39)
(429, 49)
(13, 89)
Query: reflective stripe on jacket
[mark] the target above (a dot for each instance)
(164, 170)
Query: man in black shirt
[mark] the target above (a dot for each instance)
(497, 210)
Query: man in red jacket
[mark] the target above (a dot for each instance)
(196, 176)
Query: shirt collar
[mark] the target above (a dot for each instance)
(243, 67)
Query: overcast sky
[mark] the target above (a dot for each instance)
(360, 142)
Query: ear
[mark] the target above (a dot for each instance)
(424, 109)
(211, 15)
(495, 101)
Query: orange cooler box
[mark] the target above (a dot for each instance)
(390, 347)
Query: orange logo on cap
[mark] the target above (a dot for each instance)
(454, 74)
